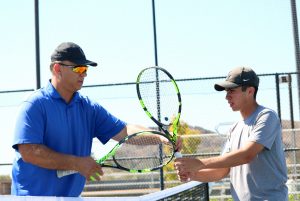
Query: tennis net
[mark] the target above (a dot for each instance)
(191, 191)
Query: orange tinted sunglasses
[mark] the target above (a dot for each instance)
(76, 68)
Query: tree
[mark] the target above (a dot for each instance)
(188, 147)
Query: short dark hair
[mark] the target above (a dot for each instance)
(51, 66)
(244, 87)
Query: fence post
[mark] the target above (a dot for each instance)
(278, 96)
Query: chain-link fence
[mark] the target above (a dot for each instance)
(203, 109)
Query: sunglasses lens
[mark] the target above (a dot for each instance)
(80, 69)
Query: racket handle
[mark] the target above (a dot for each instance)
(62, 173)
(177, 154)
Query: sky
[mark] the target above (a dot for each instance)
(194, 39)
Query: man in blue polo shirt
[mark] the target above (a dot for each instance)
(55, 129)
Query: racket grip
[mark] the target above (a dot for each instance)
(177, 154)
(62, 173)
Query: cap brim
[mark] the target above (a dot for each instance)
(225, 85)
(86, 62)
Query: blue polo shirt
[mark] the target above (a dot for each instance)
(69, 128)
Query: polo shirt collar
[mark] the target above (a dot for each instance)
(54, 94)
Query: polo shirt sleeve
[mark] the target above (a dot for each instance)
(107, 125)
(266, 128)
(29, 126)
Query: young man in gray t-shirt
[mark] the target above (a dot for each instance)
(253, 155)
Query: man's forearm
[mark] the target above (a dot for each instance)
(45, 157)
(210, 175)
(238, 157)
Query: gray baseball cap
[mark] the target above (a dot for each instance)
(241, 76)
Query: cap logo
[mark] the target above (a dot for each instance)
(228, 77)
(246, 80)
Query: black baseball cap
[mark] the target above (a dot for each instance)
(71, 52)
(241, 76)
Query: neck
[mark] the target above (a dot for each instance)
(63, 92)
(248, 109)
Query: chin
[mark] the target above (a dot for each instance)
(235, 109)
(77, 88)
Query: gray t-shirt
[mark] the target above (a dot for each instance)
(264, 178)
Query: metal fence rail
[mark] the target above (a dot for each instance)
(121, 183)
(203, 109)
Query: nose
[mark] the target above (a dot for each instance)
(84, 74)
(227, 97)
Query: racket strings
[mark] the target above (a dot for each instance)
(159, 95)
(144, 152)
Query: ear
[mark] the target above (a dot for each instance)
(56, 69)
(251, 90)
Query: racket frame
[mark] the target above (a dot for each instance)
(161, 126)
(111, 154)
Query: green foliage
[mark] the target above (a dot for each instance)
(294, 197)
(5, 178)
(184, 129)
(187, 147)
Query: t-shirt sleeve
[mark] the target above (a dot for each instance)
(29, 125)
(107, 125)
(266, 128)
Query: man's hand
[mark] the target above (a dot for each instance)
(188, 164)
(89, 169)
(187, 168)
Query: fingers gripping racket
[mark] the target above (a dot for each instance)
(160, 98)
(139, 152)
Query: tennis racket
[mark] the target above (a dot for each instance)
(160, 98)
(143, 151)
